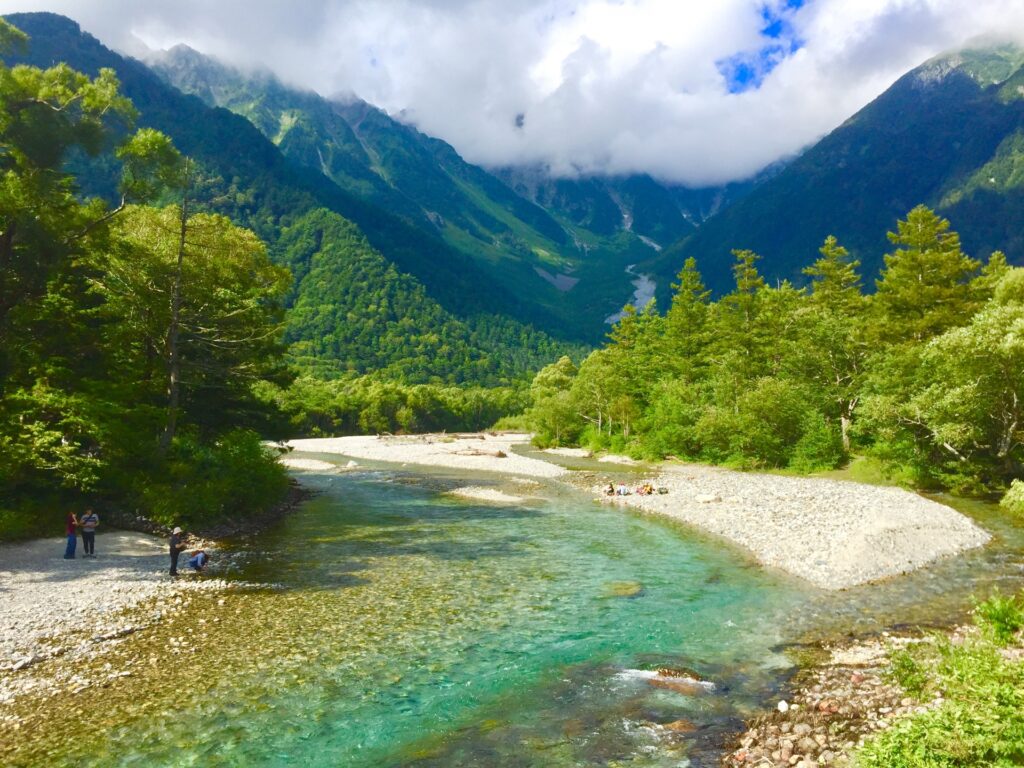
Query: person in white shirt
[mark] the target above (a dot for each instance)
(89, 522)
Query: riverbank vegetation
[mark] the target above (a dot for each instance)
(923, 375)
(980, 678)
(313, 407)
(130, 335)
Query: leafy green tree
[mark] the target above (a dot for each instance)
(970, 409)
(925, 286)
(553, 413)
(44, 116)
(228, 318)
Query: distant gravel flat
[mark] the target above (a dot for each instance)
(833, 533)
(480, 452)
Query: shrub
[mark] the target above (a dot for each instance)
(1000, 617)
(204, 483)
(27, 524)
(980, 723)
(909, 673)
(1013, 500)
(820, 446)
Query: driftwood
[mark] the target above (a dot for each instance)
(478, 452)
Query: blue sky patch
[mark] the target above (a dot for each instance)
(746, 70)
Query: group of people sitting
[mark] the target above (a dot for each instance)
(646, 489)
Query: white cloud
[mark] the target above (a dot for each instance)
(602, 86)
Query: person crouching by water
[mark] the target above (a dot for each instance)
(198, 561)
(89, 522)
(71, 529)
(177, 545)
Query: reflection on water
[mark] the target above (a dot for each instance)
(409, 628)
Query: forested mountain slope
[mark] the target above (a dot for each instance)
(558, 245)
(480, 336)
(949, 134)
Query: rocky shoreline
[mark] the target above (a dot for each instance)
(834, 705)
(63, 616)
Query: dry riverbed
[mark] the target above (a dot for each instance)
(477, 452)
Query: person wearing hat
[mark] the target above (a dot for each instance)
(177, 545)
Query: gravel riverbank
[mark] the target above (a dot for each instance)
(835, 534)
(54, 607)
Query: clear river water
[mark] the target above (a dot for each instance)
(400, 626)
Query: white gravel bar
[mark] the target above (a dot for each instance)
(478, 452)
(835, 534)
(492, 495)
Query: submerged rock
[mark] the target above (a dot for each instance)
(623, 589)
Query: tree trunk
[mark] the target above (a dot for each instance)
(173, 333)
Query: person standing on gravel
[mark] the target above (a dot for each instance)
(89, 522)
(71, 529)
(177, 545)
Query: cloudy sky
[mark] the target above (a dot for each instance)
(698, 92)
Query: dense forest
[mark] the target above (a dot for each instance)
(923, 374)
(130, 335)
(149, 343)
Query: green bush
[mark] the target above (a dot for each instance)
(233, 477)
(980, 723)
(1013, 499)
(820, 447)
(1000, 617)
(908, 672)
(23, 523)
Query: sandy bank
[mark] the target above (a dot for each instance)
(835, 534)
(483, 452)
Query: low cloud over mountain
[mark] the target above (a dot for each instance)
(688, 93)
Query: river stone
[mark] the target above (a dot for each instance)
(681, 726)
(679, 672)
(707, 498)
(808, 745)
(801, 729)
(623, 589)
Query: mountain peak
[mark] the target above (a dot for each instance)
(53, 22)
(987, 61)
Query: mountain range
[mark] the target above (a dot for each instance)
(501, 258)
(949, 134)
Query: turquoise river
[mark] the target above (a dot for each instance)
(396, 625)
